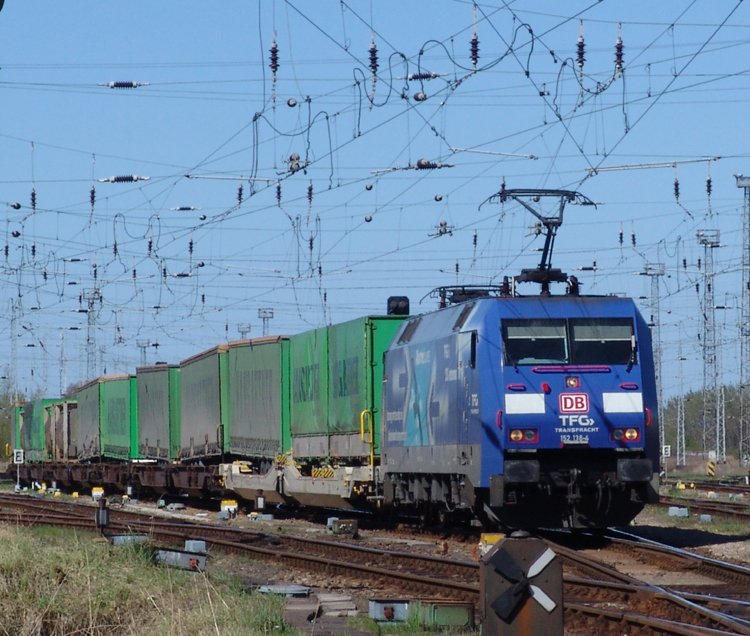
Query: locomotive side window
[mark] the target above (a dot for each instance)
(602, 341)
(535, 342)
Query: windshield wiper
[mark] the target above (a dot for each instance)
(633, 351)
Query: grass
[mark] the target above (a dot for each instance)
(55, 583)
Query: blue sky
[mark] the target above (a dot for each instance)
(180, 259)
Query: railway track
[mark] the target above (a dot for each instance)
(596, 595)
(737, 486)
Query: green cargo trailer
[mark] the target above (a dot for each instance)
(119, 417)
(26, 428)
(336, 375)
(16, 425)
(259, 397)
(308, 411)
(107, 419)
(59, 418)
(355, 369)
(84, 439)
(36, 444)
(159, 411)
(204, 404)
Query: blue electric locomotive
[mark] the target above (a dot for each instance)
(537, 411)
(527, 411)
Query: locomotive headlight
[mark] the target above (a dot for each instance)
(572, 382)
(627, 434)
(524, 435)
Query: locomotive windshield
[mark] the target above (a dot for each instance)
(536, 342)
(573, 341)
(602, 341)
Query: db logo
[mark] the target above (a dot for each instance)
(574, 403)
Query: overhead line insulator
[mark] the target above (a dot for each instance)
(120, 84)
(124, 178)
(274, 51)
(474, 50)
(619, 47)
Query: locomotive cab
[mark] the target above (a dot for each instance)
(578, 419)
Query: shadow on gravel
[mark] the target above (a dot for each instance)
(683, 537)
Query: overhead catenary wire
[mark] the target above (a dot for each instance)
(318, 154)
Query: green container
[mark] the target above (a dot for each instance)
(355, 368)
(16, 433)
(119, 417)
(336, 375)
(34, 432)
(26, 430)
(108, 418)
(204, 404)
(84, 438)
(158, 411)
(60, 419)
(259, 397)
(309, 383)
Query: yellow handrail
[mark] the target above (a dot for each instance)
(366, 414)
